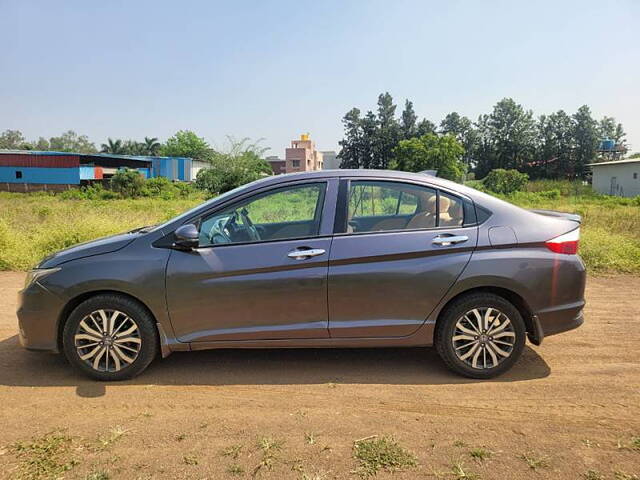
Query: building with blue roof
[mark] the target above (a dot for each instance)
(29, 170)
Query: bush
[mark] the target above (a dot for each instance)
(158, 187)
(505, 181)
(128, 183)
(228, 172)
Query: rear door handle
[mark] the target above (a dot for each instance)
(302, 254)
(451, 240)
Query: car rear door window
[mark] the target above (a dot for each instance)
(375, 206)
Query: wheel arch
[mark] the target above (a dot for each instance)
(78, 299)
(511, 296)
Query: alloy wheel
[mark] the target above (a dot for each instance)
(483, 338)
(107, 340)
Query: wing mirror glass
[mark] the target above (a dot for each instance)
(187, 237)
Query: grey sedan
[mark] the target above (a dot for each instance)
(321, 259)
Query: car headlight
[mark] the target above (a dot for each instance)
(38, 274)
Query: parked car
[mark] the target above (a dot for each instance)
(339, 258)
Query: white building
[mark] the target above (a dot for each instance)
(621, 178)
(331, 160)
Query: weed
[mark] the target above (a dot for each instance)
(460, 472)
(105, 441)
(588, 443)
(618, 475)
(592, 475)
(233, 451)
(315, 476)
(180, 437)
(375, 453)
(480, 453)
(190, 460)
(44, 457)
(101, 475)
(459, 443)
(235, 470)
(535, 462)
(270, 448)
(635, 443)
(310, 438)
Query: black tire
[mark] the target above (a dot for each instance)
(146, 332)
(446, 327)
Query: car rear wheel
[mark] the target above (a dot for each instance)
(110, 337)
(480, 335)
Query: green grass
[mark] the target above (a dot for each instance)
(33, 226)
(375, 454)
(44, 457)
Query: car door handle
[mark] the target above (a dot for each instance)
(451, 240)
(302, 254)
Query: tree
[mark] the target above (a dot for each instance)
(185, 143)
(388, 133)
(462, 129)
(554, 151)
(13, 140)
(42, 144)
(350, 146)
(586, 137)
(430, 152)
(228, 172)
(113, 146)
(424, 127)
(408, 125)
(508, 137)
(151, 146)
(240, 163)
(70, 141)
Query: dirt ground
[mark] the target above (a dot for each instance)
(570, 406)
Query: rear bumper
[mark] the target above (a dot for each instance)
(38, 313)
(556, 321)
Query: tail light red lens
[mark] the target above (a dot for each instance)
(567, 243)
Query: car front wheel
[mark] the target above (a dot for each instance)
(480, 335)
(110, 337)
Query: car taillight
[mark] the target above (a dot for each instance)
(567, 243)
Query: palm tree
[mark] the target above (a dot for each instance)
(151, 146)
(112, 146)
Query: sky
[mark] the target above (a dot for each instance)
(276, 69)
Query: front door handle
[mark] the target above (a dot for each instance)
(451, 240)
(302, 254)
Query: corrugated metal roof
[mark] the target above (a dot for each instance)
(616, 162)
(141, 158)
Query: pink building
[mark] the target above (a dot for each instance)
(302, 156)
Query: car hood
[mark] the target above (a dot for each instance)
(88, 249)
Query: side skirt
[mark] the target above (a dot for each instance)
(422, 338)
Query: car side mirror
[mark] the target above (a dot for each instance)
(187, 237)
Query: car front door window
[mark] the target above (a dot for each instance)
(284, 213)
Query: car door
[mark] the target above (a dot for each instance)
(260, 271)
(398, 248)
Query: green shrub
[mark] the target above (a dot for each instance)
(128, 183)
(159, 187)
(228, 172)
(505, 181)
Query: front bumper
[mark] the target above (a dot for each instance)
(38, 313)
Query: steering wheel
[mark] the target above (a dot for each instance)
(252, 231)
